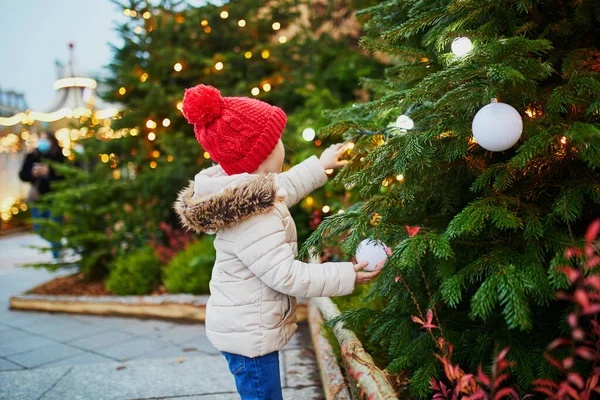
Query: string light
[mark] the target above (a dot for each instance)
(204, 22)
(329, 171)
(219, 66)
(146, 15)
(116, 174)
(122, 90)
(127, 12)
(461, 46)
(150, 124)
(170, 159)
(248, 54)
(282, 39)
(133, 132)
(104, 158)
(143, 77)
(276, 26)
(156, 154)
(318, 142)
(563, 140)
(178, 67)
(179, 105)
(133, 14)
(309, 201)
(308, 134)
(224, 14)
(138, 29)
(166, 122)
(265, 54)
(255, 91)
(151, 136)
(207, 29)
(399, 177)
(153, 164)
(206, 155)
(385, 183)
(266, 87)
(241, 23)
(326, 209)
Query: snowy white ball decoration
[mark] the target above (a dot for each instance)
(404, 122)
(497, 127)
(461, 46)
(375, 252)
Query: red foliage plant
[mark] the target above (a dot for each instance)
(176, 240)
(579, 369)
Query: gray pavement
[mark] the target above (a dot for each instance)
(62, 356)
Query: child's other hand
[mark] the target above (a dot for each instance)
(330, 158)
(364, 277)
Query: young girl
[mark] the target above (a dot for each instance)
(244, 200)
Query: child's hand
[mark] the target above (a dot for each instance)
(330, 157)
(364, 277)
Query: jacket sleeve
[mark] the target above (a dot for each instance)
(260, 244)
(302, 179)
(26, 174)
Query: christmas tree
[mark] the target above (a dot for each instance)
(476, 234)
(282, 52)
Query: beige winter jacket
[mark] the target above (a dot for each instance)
(252, 307)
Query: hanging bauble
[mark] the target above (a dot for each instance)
(497, 127)
(374, 252)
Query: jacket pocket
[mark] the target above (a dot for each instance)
(237, 363)
(287, 307)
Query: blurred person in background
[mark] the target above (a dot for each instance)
(37, 171)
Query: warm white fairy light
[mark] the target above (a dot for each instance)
(219, 66)
(242, 23)
(461, 46)
(255, 91)
(224, 14)
(326, 209)
(282, 39)
(177, 67)
(166, 122)
(276, 26)
(266, 87)
(308, 134)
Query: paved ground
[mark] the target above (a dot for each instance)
(59, 356)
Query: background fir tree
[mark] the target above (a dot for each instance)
(285, 52)
(493, 225)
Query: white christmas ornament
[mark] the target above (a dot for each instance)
(461, 46)
(497, 127)
(308, 134)
(375, 252)
(404, 122)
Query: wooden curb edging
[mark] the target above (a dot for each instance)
(180, 306)
(361, 369)
(335, 386)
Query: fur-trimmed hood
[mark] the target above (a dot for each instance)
(215, 200)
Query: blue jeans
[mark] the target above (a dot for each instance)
(37, 214)
(256, 378)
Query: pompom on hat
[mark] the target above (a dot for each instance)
(238, 132)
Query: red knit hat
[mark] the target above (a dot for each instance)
(238, 132)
